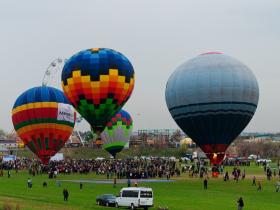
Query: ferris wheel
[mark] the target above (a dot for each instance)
(53, 73)
(52, 78)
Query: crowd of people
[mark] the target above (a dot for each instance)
(121, 169)
(133, 169)
(236, 162)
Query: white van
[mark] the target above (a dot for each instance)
(134, 197)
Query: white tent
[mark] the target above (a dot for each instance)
(57, 157)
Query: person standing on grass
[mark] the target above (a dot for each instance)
(65, 194)
(29, 183)
(128, 182)
(45, 184)
(254, 181)
(240, 204)
(277, 186)
(205, 184)
(81, 185)
(226, 176)
(243, 174)
(9, 173)
(115, 182)
(259, 185)
(107, 174)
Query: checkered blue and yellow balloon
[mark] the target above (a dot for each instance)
(98, 82)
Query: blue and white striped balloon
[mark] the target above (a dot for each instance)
(212, 98)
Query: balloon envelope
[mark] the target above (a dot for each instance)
(98, 82)
(212, 98)
(117, 132)
(44, 120)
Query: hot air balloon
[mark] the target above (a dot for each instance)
(44, 119)
(117, 133)
(212, 98)
(98, 82)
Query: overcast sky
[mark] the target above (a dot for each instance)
(156, 36)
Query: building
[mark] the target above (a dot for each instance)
(8, 144)
(153, 137)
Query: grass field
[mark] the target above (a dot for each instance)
(184, 194)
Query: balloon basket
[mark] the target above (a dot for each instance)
(215, 174)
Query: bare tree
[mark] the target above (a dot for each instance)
(176, 136)
(263, 149)
(3, 134)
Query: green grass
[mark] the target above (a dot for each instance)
(184, 194)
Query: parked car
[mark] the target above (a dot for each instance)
(106, 200)
(135, 197)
